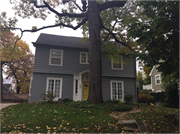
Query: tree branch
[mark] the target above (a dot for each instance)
(116, 40)
(77, 6)
(59, 14)
(51, 26)
(111, 4)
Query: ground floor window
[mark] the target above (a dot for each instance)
(117, 90)
(55, 85)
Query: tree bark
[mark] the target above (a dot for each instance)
(18, 87)
(95, 59)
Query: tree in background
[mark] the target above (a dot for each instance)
(147, 70)
(14, 59)
(140, 81)
(157, 32)
(170, 85)
(21, 71)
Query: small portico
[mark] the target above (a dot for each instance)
(81, 86)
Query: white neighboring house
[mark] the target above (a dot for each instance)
(156, 83)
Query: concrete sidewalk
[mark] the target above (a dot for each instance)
(3, 105)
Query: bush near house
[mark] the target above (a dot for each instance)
(128, 98)
(146, 98)
(107, 105)
(158, 97)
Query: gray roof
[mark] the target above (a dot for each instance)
(58, 40)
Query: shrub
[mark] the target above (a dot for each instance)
(108, 105)
(67, 100)
(172, 96)
(121, 108)
(128, 98)
(146, 98)
(49, 96)
(158, 97)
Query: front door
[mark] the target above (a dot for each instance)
(85, 90)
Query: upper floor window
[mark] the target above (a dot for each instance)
(158, 79)
(84, 57)
(56, 57)
(118, 66)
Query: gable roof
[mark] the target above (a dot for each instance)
(58, 40)
(154, 67)
(64, 41)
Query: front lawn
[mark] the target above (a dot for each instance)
(157, 119)
(34, 118)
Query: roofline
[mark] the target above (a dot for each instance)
(35, 44)
(150, 74)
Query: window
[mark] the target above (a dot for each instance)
(117, 90)
(84, 58)
(54, 85)
(158, 79)
(76, 87)
(56, 57)
(118, 66)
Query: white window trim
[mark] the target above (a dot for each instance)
(47, 83)
(86, 57)
(117, 68)
(61, 57)
(116, 86)
(159, 78)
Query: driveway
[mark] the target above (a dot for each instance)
(3, 105)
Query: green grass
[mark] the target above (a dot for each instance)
(156, 118)
(33, 118)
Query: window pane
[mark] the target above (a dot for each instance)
(117, 65)
(83, 58)
(57, 88)
(119, 90)
(55, 54)
(114, 90)
(76, 86)
(88, 57)
(55, 61)
(51, 85)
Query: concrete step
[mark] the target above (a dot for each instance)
(128, 123)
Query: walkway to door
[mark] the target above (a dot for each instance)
(3, 105)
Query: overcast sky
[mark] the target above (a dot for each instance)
(5, 6)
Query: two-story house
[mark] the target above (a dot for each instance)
(62, 66)
(156, 83)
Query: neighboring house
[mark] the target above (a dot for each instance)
(62, 66)
(156, 83)
(6, 88)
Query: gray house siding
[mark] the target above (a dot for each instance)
(154, 86)
(71, 63)
(40, 81)
(128, 87)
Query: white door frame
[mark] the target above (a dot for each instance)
(78, 77)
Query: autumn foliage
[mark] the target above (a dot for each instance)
(17, 60)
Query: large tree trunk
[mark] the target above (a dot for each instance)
(95, 59)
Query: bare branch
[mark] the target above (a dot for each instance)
(116, 40)
(60, 14)
(111, 4)
(51, 26)
(77, 6)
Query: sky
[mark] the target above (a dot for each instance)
(26, 24)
